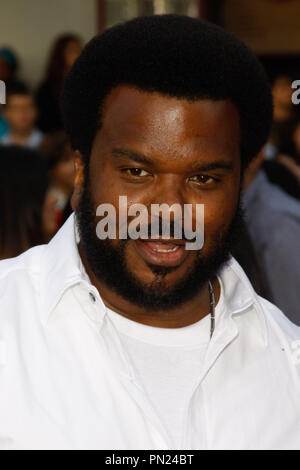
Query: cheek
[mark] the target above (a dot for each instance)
(103, 184)
(28, 115)
(218, 217)
(107, 189)
(104, 193)
(33, 115)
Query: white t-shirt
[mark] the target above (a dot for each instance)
(167, 364)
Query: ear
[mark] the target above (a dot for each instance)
(78, 180)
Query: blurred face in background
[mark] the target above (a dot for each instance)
(20, 113)
(282, 91)
(71, 53)
(62, 175)
(27, 215)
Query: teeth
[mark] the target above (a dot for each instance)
(166, 251)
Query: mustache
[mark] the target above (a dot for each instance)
(162, 228)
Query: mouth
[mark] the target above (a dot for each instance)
(162, 252)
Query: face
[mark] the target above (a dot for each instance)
(21, 112)
(156, 149)
(72, 52)
(63, 174)
(282, 91)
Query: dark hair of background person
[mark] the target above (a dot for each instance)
(53, 148)
(9, 64)
(279, 175)
(56, 68)
(48, 93)
(177, 56)
(16, 88)
(23, 188)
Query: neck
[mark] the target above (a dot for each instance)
(282, 112)
(20, 137)
(63, 188)
(186, 314)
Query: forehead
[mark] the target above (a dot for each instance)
(162, 123)
(73, 44)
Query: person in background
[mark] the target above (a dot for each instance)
(282, 98)
(278, 166)
(284, 114)
(64, 52)
(8, 70)
(244, 252)
(3, 124)
(292, 161)
(282, 172)
(296, 143)
(20, 112)
(8, 65)
(59, 157)
(26, 206)
(273, 222)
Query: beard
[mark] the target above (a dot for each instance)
(108, 262)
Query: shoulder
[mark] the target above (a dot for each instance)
(280, 203)
(278, 323)
(240, 293)
(25, 261)
(19, 276)
(5, 139)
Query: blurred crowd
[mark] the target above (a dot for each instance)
(37, 173)
(37, 167)
(269, 248)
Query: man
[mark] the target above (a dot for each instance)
(125, 343)
(273, 220)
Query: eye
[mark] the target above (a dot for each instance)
(136, 172)
(203, 179)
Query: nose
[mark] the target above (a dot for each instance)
(167, 201)
(168, 190)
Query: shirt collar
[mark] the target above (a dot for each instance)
(61, 268)
(240, 297)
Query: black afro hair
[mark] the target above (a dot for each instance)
(177, 56)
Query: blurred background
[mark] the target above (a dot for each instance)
(39, 42)
(269, 27)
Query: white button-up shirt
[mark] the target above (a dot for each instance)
(66, 382)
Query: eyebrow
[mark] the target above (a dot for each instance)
(216, 165)
(198, 166)
(135, 156)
